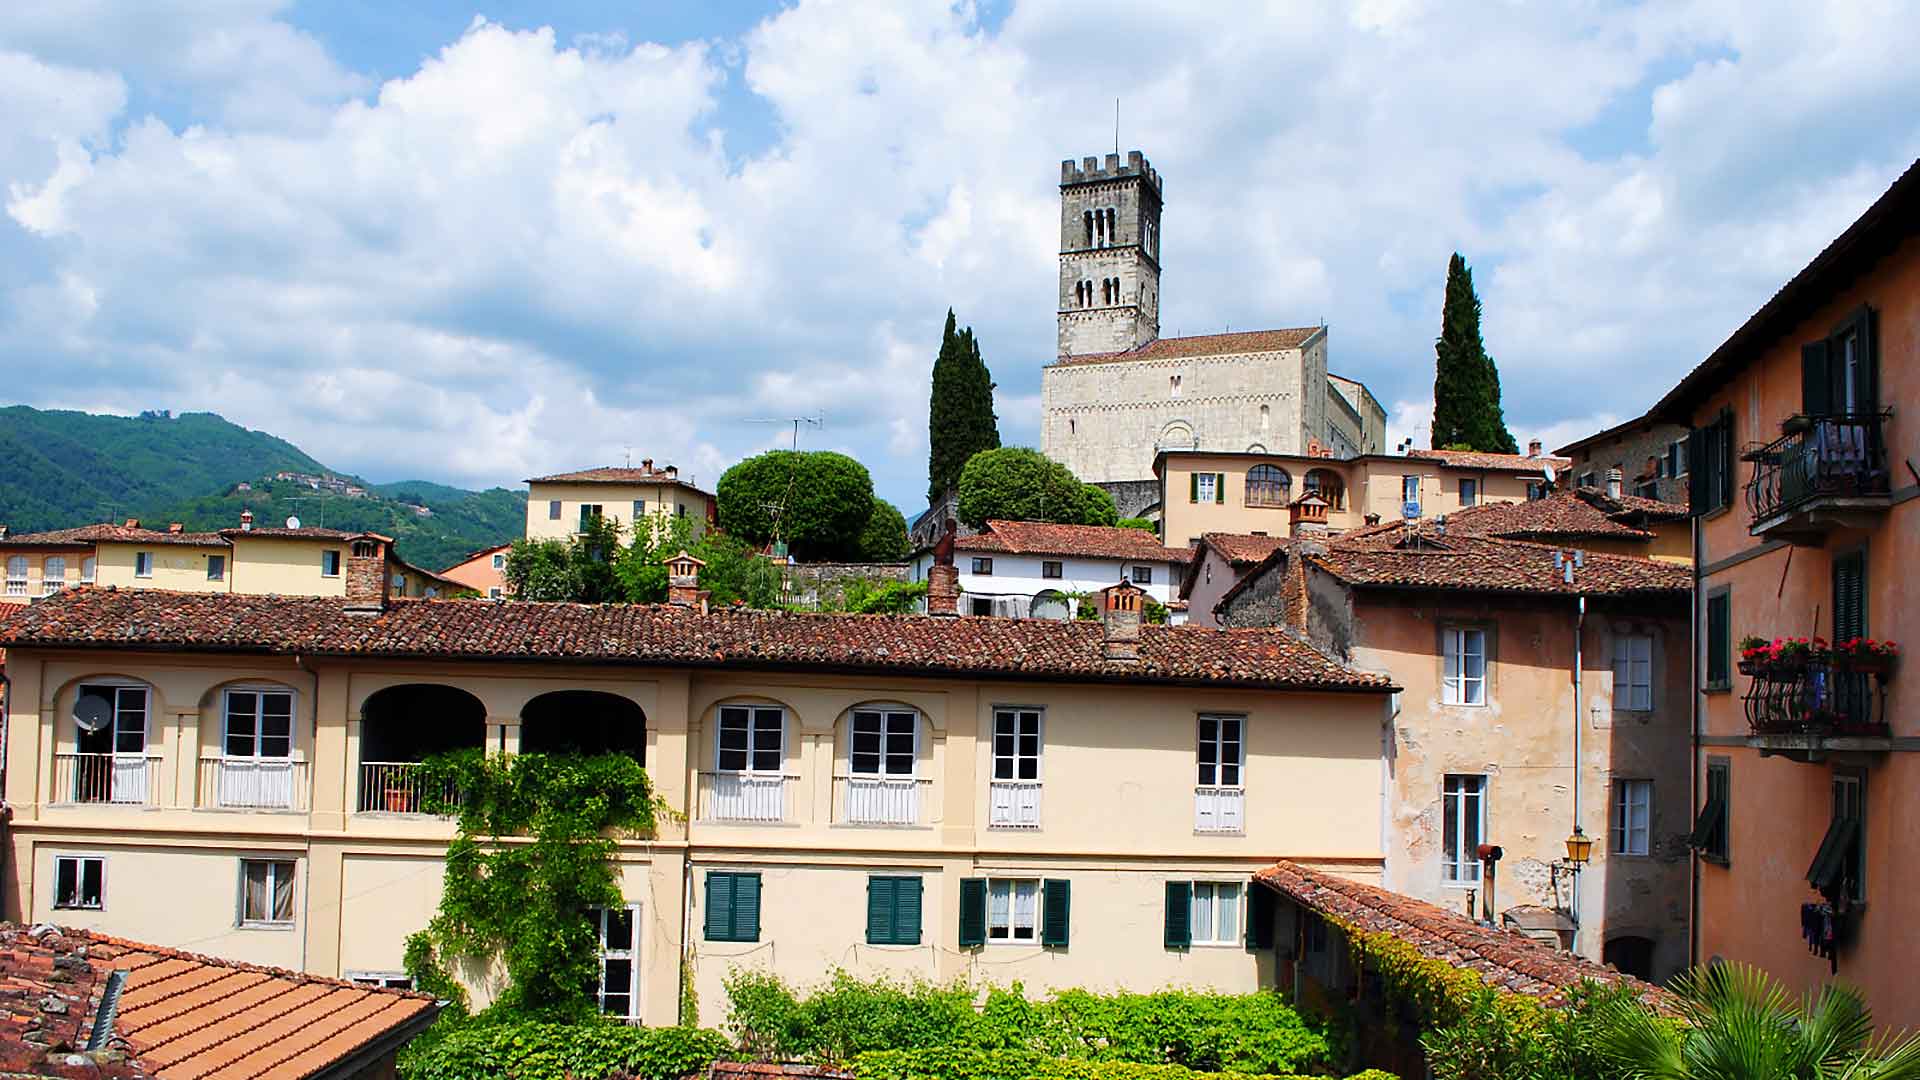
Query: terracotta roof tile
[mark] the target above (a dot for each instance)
(183, 1016)
(1240, 549)
(1506, 959)
(1250, 341)
(1560, 515)
(304, 532)
(1426, 560)
(1085, 541)
(121, 534)
(1474, 459)
(614, 474)
(647, 634)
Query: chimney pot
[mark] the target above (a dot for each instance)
(133, 523)
(246, 521)
(673, 471)
(683, 581)
(1613, 482)
(1120, 617)
(646, 463)
(175, 527)
(1533, 448)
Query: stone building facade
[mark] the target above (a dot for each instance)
(1118, 392)
(1651, 457)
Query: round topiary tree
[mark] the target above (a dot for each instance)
(884, 539)
(1017, 483)
(821, 501)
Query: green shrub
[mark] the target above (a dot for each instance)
(845, 1017)
(590, 1050)
(960, 1063)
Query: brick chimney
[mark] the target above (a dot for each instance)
(943, 589)
(366, 574)
(646, 464)
(673, 472)
(1307, 517)
(175, 528)
(133, 523)
(683, 580)
(1120, 617)
(1614, 479)
(246, 521)
(1533, 448)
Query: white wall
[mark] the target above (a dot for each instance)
(1019, 575)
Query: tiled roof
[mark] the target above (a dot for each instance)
(1474, 459)
(1560, 515)
(183, 1016)
(1505, 959)
(1240, 549)
(1425, 559)
(1084, 541)
(96, 534)
(304, 532)
(651, 635)
(614, 474)
(1634, 505)
(1250, 341)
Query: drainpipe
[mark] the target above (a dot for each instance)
(6, 812)
(1693, 755)
(1579, 633)
(686, 932)
(306, 879)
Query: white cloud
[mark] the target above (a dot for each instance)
(529, 254)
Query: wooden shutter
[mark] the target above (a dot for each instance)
(1057, 902)
(719, 906)
(1816, 379)
(746, 907)
(1260, 910)
(1724, 467)
(906, 910)
(1719, 646)
(1849, 596)
(1193, 487)
(1869, 360)
(1219, 487)
(1697, 471)
(973, 911)
(1179, 928)
(881, 903)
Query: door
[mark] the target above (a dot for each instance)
(256, 767)
(112, 763)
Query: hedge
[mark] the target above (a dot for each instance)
(527, 1050)
(960, 1063)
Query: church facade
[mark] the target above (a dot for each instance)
(1118, 393)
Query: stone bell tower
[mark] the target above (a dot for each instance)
(1109, 255)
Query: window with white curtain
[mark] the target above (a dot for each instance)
(16, 575)
(266, 892)
(1463, 810)
(53, 575)
(1216, 913)
(1632, 817)
(1633, 672)
(87, 570)
(1012, 910)
(1464, 677)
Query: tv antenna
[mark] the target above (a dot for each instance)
(819, 421)
(321, 517)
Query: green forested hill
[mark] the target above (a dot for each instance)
(59, 469)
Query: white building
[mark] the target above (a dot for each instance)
(1030, 569)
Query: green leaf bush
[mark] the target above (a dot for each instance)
(964, 1063)
(533, 1050)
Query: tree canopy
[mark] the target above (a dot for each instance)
(884, 539)
(817, 501)
(1466, 384)
(1017, 483)
(960, 419)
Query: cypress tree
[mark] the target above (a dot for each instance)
(1466, 384)
(960, 419)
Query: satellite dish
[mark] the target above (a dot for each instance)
(293, 523)
(1548, 471)
(92, 714)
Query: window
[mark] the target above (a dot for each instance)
(1207, 487)
(259, 724)
(113, 741)
(882, 742)
(1647, 489)
(1587, 480)
(983, 567)
(1839, 867)
(1633, 672)
(1838, 375)
(493, 592)
(639, 509)
(1710, 829)
(751, 738)
(87, 566)
(1143, 575)
(16, 575)
(216, 568)
(1710, 452)
(53, 575)
(499, 561)
(1269, 485)
(680, 510)
(980, 605)
(1463, 811)
(1173, 385)
(365, 549)
(1049, 569)
(385, 980)
(143, 564)
(619, 954)
(733, 906)
(1469, 491)
(553, 510)
(1016, 744)
(893, 910)
(1464, 675)
(1013, 909)
(1677, 458)
(1632, 817)
(330, 563)
(1220, 751)
(589, 513)
(1719, 640)
(266, 892)
(1536, 490)
(79, 882)
(1216, 913)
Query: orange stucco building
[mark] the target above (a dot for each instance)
(1802, 470)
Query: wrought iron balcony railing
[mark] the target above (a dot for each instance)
(1820, 457)
(1816, 697)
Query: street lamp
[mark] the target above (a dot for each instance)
(1579, 848)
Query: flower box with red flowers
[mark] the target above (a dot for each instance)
(1868, 656)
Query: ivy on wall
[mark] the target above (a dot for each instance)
(533, 851)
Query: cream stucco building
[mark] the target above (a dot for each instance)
(559, 506)
(1022, 799)
(1119, 392)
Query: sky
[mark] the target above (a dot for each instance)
(477, 244)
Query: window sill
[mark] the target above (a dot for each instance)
(1717, 688)
(1459, 884)
(79, 907)
(1716, 860)
(275, 926)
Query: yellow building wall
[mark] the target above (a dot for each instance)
(616, 501)
(1439, 486)
(176, 567)
(286, 567)
(1184, 521)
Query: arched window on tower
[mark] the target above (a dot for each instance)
(1087, 218)
(1113, 225)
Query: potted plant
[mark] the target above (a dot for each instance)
(399, 800)
(1796, 654)
(1755, 655)
(1870, 656)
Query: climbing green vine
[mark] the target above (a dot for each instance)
(533, 851)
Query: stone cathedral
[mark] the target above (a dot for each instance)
(1118, 392)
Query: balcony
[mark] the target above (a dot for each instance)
(878, 800)
(1013, 804)
(1810, 708)
(1826, 472)
(277, 784)
(113, 779)
(743, 797)
(1219, 809)
(396, 787)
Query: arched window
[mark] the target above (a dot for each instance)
(882, 785)
(110, 717)
(1087, 217)
(364, 549)
(1173, 385)
(1328, 486)
(1113, 225)
(16, 575)
(1268, 485)
(53, 575)
(1265, 417)
(400, 726)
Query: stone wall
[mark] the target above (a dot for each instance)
(1629, 451)
(1133, 498)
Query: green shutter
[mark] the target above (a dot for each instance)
(719, 906)
(1057, 902)
(1869, 360)
(1697, 471)
(906, 911)
(1849, 596)
(1219, 487)
(1179, 930)
(1193, 487)
(880, 910)
(1725, 470)
(1260, 904)
(1830, 863)
(1816, 380)
(1719, 643)
(746, 907)
(973, 911)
